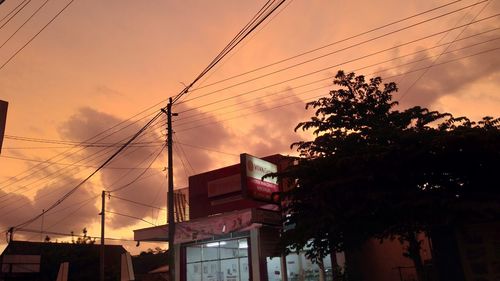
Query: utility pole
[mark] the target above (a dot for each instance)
(170, 192)
(170, 195)
(11, 234)
(41, 227)
(101, 262)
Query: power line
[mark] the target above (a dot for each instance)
(74, 235)
(140, 175)
(68, 152)
(330, 67)
(329, 45)
(70, 164)
(13, 10)
(23, 3)
(129, 216)
(93, 156)
(282, 105)
(254, 23)
(48, 194)
(137, 203)
(334, 52)
(55, 204)
(24, 23)
(183, 154)
(445, 49)
(45, 195)
(72, 143)
(242, 45)
(209, 149)
(36, 35)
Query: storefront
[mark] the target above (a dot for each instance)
(233, 231)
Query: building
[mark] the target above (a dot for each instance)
(40, 261)
(233, 231)
(234, 227)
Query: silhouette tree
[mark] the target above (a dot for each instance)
(376, 172)
(83, 239)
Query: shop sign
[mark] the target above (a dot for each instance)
(254, 185)
(209, 227)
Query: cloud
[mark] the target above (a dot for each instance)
(195, 140)
(273, 131)
(19, 208)
(107, 91)
(466, 67)
(128, 176)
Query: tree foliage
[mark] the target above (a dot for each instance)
(373, 171)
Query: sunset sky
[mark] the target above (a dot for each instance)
(106, 67)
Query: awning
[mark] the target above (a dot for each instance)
(203, 228)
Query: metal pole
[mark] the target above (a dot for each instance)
(103, 197)
(170, 196)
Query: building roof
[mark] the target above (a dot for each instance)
(83, 260)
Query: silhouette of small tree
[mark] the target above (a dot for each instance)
(84, 239)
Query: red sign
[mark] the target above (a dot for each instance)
(254, 184)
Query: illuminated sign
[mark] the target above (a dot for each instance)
(253, 183)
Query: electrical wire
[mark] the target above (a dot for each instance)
(240, 47)
(232, 44)
(36, 35)
(23, 3)
(444, 50)
(24, 23)
(183, 154)
(287, 104)
(336, 51)
(209, 149)
(93, 157)
(140, 175)
(137, 203)
(329, 45)
(64, 197)
(329, 67)
(75, 235)
(13, 10)
(69, 164)
(129, 216)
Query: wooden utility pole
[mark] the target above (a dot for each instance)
(103, 209)
(170, 195)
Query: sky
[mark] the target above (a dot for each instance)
(102, 69)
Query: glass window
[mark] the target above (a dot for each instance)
(244, 269)
(229, 249)
(273, 268)
(243, 247)
(210, 251)
(210, 271)
(230, 270)
(193, 271)
(193, 254)
(218, 261)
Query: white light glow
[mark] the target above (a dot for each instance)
(243, 245)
